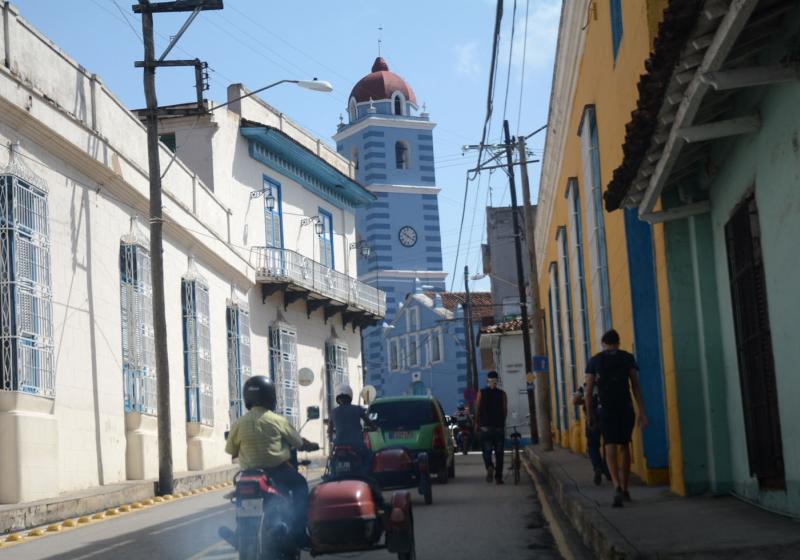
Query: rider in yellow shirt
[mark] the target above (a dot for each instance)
(262, 439)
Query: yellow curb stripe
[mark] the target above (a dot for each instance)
(124, 509)
(99, 515)
(35, 533)
(148, 502)
(14, 537)
(83, 519)
(69, 523)
(136, 505)
(53, 528)
(553, 522)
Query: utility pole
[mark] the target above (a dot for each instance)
(144, 7)
(472, 369)
(523, 300)
(542, 399)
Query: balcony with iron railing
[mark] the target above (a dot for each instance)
(299, 277)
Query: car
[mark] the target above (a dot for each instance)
(417, 424)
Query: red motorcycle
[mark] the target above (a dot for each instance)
(343, 516)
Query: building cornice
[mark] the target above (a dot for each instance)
(569, 50)
(376, 120)
(403, 275)
(404, 189)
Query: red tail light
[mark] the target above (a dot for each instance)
(438, 437)
(249, 489)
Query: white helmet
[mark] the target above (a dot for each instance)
(344, 390)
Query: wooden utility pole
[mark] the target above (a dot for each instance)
(542, 399)
(165, 470)
(523, 298)
(472, 366)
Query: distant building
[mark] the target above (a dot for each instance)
(499, 260)
(390, 142)
(425, 345)
(502, 349)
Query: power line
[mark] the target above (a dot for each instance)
(486, 122)
(510, 56)
(522, 78)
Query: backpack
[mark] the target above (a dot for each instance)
(612, 375)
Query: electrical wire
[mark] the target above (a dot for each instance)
(486, 124)
(522, 78)
(510, 57)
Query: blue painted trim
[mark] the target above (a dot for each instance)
(279, 152)
(578, 217)
(646, 332)
(564, 249)
(553, 356)
(279, 204)
(560, 334)
(615, 9)
(328, 238)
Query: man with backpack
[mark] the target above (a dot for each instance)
(615, 374)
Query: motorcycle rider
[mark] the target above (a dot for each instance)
(345, 427)
(463, 419)
(262, 439)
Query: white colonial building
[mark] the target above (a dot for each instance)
(259, 274)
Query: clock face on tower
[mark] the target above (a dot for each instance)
(407, 236)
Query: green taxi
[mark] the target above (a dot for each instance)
(416, 423)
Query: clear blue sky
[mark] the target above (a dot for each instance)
(442, 48)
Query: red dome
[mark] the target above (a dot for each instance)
(381, 84)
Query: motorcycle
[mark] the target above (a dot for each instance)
(343, 514)
(347, 514)
(465, 438)
(264, 512)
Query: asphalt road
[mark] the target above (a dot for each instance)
(468, 519)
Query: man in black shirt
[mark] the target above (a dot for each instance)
(615, 373)
(491, 409)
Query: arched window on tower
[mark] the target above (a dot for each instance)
(354, 156)
(399, 101)
(402, 155)
(351, 109)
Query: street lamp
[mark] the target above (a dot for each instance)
(313, 85)
(319, 228)
(362, 247)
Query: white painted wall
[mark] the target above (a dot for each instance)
(91, 152)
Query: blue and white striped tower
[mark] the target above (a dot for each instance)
(391, 143)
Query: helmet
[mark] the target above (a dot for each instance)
(259, 391)
(461, 406)
(344, 390)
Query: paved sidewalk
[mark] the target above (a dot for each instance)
(658, 524)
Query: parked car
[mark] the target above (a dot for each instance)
(416, 423)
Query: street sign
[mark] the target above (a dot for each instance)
(540, 363)
(469, 395)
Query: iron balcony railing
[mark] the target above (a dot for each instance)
(274, 264)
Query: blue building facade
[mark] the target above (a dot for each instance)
(391, 143)
(425, 346)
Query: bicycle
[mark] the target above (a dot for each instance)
(516, 460)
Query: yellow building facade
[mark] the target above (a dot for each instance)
(599, 270)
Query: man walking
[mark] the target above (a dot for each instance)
(593, 436)
(615, 373)
(491, 409)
